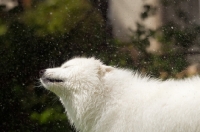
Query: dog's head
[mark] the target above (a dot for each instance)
(74, 75)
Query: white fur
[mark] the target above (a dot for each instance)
(100, 98)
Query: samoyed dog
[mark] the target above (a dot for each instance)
(100, 98)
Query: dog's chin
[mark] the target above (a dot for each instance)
(53, 85)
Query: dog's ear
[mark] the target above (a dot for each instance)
(105, 69)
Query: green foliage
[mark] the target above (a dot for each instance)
(55, 17)
(49, 115)
(148, 11)
(3, 28)
(175, 42)
(166, 62)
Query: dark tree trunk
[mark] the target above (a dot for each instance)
(102, 6)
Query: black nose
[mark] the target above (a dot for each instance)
(41, 72)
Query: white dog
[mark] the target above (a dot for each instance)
(100, 98)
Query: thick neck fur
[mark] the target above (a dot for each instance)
(87, 103)
(84, 105)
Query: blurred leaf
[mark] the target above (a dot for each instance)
(53, 16)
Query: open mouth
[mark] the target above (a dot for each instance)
(53, 80)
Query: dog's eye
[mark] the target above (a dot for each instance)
(66, 66)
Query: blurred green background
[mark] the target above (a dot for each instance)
(45, 33)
